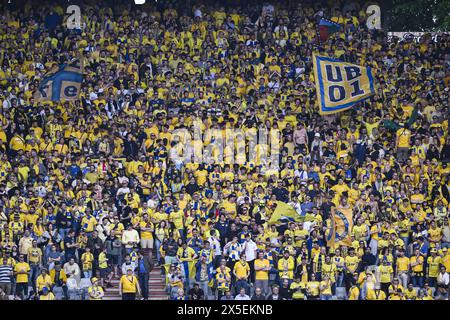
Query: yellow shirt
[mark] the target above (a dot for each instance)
(402, 264)
(49, 296)
(286, 268)
(433, 266)
(329, 270)
(88, 223)
(385, 273)
(403, 138)
(360, 232)
(94, 291)
(241, 269)
(313, 287)
(446, 262)
(129, 284)
(261, 274)
(410, 295)
(87, 259)
(186, 254)
(43, 281)
(351, 263)
(376, 295)
(177, 218)
(22, 266)
(419, 267)
(34, 255)
(146, 235)
(354, 293)
(326, 287)
(296, 288)
(102, 261)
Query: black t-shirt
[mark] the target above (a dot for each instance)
(196, 294)
(69, 240)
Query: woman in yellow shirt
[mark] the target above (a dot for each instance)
(325, 288)
(43, 280)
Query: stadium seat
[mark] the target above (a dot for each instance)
(85, 283)
(341, 293)
(58, 292)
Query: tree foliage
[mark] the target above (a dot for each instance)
(419, 15)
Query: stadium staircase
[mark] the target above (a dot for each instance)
(156, 287)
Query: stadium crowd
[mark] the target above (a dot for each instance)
(88, 190)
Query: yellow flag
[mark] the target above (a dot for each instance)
(284, 213)
(341, 227)
(331, 236)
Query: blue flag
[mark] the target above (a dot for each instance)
(63, 83)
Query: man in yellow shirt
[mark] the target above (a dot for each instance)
(433, 262)
(146, 229)
(35, 261)
(351, 265)
(262, 268)
(298, 289)
(386, 273)
(88, 223)
(87, 258)
(286, 266)
(403, 136)
(410, 292)
(416, 263)
(129, 286)
(402, 267)
(22, 272)
(242, 271)
(360, 231)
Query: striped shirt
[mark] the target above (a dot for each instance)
(5, 273)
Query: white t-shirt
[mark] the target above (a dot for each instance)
(250, 250)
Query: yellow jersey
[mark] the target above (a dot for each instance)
(129, 284)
